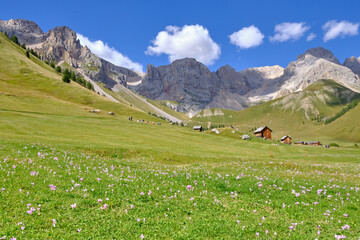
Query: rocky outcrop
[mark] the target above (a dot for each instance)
(317, 63)
(61, 44)
(191, 83)
(353, 63)
(28, 32)
(186, 81)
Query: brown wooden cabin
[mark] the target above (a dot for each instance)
(197, 128)
(263, 132)
(286, 139)
(300, 143)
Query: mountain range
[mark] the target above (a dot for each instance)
(186, 81)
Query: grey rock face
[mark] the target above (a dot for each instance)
(186, 81)
(353, 63)
(28, 32)
(193, 85)
(61, 44)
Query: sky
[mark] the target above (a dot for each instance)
(242, 34)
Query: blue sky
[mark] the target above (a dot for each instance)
(201, 28)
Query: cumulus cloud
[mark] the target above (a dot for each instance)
(334, 29)
(108, 53)
(310, 37)
(289, 31)
(187, 41)
(247, 37)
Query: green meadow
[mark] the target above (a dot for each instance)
(68, 173)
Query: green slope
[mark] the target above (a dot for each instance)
(300, 114)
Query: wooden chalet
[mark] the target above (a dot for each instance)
(197, 128)
(263, 132)
(286, 139)
(300, 143)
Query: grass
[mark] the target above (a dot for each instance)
(130, 179)
(111, 197)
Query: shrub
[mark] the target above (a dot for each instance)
(90, 86)
(73, 76)
(27, 54)
(58, 69)
(66, 78)
(67, 72)
(52, 64)
(15, 39)
(334, 145)
(23, 46)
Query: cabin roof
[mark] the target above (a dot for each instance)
(284, 137)
(197, 127)
(260, 129)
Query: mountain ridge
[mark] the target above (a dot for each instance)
(186, 81)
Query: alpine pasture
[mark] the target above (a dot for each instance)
(66, 173)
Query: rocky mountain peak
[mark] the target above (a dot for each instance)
(319, 52)
(22, 25)
(28, 32)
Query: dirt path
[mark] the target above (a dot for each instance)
(157, 110)
(97, 88)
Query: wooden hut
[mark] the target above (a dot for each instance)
(300, 143)
(286, 139)
(263, 132)
(197, 128)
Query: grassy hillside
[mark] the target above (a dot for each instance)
(300, 114)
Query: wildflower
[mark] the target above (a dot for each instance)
(79, 229)
(345, 227)
(52, 187)
(142, 236)
(73, 205)
(54, 222)
(99, 200)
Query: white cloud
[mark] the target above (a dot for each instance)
(108, 53)
(310, 37)
(187, 41)
(334, 29)
(247, 37)
(289, 31)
